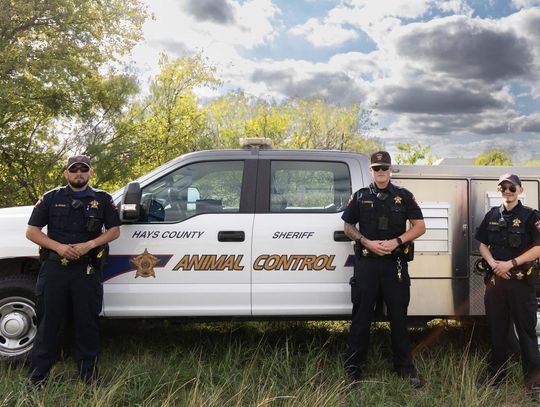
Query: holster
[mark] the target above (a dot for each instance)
(405, 251)
(99, 256)
(531, 269)
(43, 254)
(355, 290)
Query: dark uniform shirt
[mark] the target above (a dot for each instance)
(512, 236)
(72, 219)
(382, 219)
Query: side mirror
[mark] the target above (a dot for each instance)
(130, 209)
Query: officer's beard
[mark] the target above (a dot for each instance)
(78, 183)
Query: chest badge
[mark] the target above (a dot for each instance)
(94, 204)
(397, 200)
(145, 264)
(516, 223)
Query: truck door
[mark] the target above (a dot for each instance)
(299, 262)
(190, 253)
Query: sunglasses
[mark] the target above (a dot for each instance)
(381, 168)
(511, 188)
(82, 168)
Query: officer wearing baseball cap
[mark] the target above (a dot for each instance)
(509, 237)
(80, 222)
(382, 249)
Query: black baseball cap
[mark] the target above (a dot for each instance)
(380, 158)
(512, 178)
(78, 159)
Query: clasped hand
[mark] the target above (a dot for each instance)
(74, 251)
(502, 269)
(382, 247)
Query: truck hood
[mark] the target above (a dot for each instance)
(13, 242)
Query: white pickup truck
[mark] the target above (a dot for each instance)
(257, 233)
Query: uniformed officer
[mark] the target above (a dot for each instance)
(70, 275)
(509, 239)
(382, 241)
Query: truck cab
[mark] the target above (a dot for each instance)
(251, 233)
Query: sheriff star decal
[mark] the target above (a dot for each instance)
(145, 264)
(94, 204)
(397, 200)
(516, 222)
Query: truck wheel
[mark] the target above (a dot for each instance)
(17, 317)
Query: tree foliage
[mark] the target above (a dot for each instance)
(411, 154)
(494, 157)
(170, 120)
(77, 106)
(292, 123)
(52, 54)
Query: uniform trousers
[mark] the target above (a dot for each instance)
(506, 301)
(58, 288)
(374, 276)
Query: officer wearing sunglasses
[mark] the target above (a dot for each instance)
(80, 222)
(382, 248)
(509, 237)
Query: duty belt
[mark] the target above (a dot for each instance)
(519, 273)
(361, 251)
(52, 255)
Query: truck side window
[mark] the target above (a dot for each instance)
(204, 187)
(309, 186)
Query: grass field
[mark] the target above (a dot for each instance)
(267, 364)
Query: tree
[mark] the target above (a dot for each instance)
(292, 123)
(170, 120)
(411, 154)
(52, 55)
(326, 126)
(494, 157)
(531, 163)
(236, 115)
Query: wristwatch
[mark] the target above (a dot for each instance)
(399, 241)
(514, 263)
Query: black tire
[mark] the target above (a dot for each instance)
(17, 316)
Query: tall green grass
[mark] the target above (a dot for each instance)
(267, 364)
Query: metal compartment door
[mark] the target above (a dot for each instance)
(439, 272)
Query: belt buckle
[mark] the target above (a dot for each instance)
(64, 261)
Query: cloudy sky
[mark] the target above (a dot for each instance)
(459, 75)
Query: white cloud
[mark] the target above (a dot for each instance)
(437, 81)
(525, 3)
(455, 6)
(529, 124)
(324, 34)
(377, 10)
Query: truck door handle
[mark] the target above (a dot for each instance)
(340, 236)
(231, 236)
